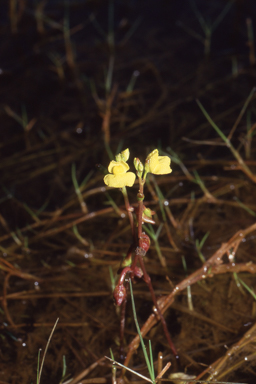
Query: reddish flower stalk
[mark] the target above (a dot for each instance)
(147, 279)
(129, 210)
(143, 244)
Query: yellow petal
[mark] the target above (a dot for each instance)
(158, 165)
(121, 180)
(130, 179)
(122, 167)
(151, 161)
(118, 170)
(163, 166)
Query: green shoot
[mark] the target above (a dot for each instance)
(189, 295)
(64, 370)
(177, 160)
(38, 367)
(132, 82)
(236, 154)
(250, 290)
(22, 120)
(77, 189)
(250, 41)
(208, 27)
(131, 31)
(86, 179)
(149, 360)
(154, 236)
(111, 35)
(113, 368)
(164, 205)
(199, 246)
(16, 239)
(112, 279)
(247, 101)
(238, 283)
(108, 82)
(64, 367)
(113, 204)
(97, 26)
(78, 236)
(32, 214)
(161, 199)
(201, 184)
(242, 205)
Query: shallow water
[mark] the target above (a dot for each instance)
(59, 246)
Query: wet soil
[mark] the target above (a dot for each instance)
(78, 81)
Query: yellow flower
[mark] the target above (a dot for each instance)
(118, 176)
(158, 165)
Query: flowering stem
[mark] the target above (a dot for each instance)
(129, 211)
(122, 327)
(123, 310)
(123, 307)
(138, 257)
(147, 279)
(123, 274)
(118, 177)
(140, 198)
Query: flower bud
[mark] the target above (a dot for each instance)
(140, 167)
(144, 242)
(118, 157)
(147, 215)
(138, 272)
(140, 196)
(127, 261)
(125, 155)
(136, 163)
(119, 294)
(147, 168)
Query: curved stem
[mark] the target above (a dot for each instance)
(162, 319)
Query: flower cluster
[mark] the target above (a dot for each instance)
(119, 176)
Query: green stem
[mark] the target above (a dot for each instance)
(129, 211)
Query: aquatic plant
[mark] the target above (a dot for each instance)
(118, 177)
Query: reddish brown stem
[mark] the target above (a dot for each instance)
(122, 327)
(140, 211)
(127, 269)
(138, 256)
(147, 279)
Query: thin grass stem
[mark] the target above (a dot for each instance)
(46, 348)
